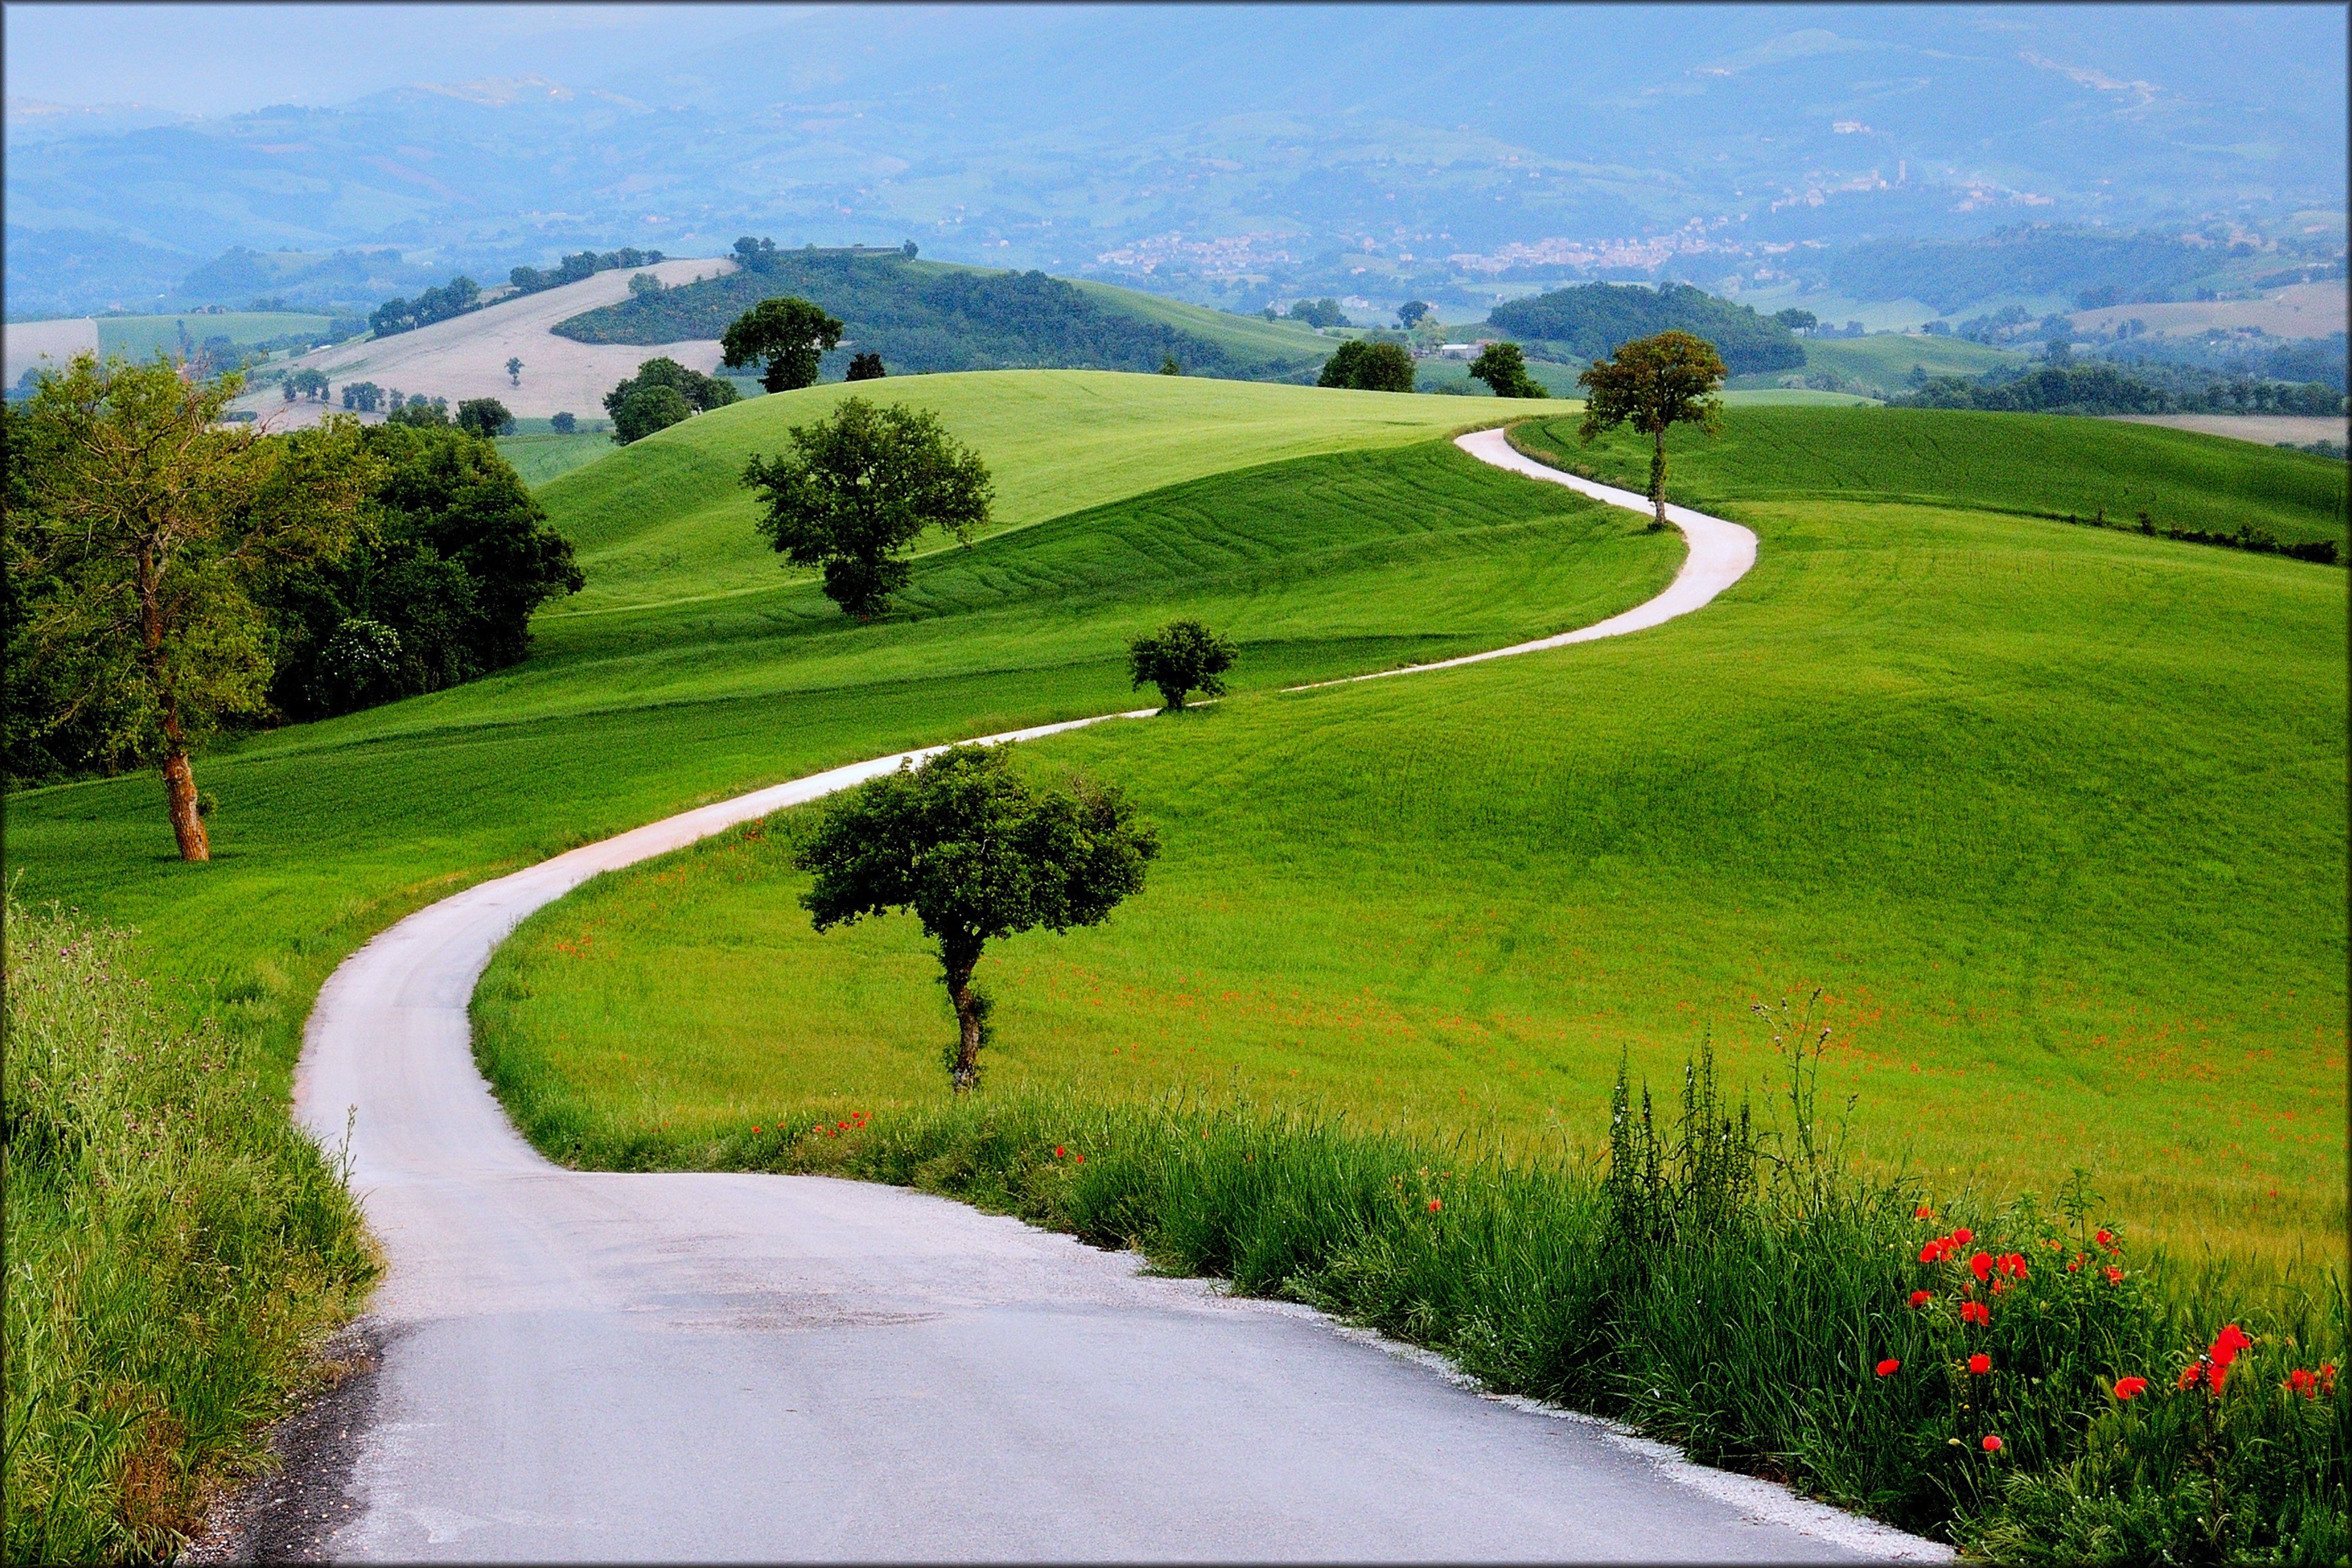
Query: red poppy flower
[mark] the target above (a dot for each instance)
(1889, 1367)
(2013, 1265)
(2226, 1346)
(1434, 1205)
(755, 1130)
(2130, 1388)
(1964, 1235)
(1081, 1159)
(1059, 1151)
(1975, 1313)
(2115, 1274)
(2105, 1238)
(1932, 1253)
(1980, 1364)
(1980, 1265)
(1922, 1212)
(2302, 1383)
(2191, 1376)
(2327, 1378)
(1921, 1298)
(1992, 1443)
(1998, 1286)
(2071, 1268)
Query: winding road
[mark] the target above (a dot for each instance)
(581, 1366)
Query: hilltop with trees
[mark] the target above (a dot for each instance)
(1592, 321)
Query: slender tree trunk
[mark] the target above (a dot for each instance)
(179, 778)
(966, 1072)
(1658, 478)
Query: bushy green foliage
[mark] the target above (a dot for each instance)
(455, 298)
(977, 854)
(484, 416)
(579, 267)
(789, 335)
(861, 486)
(176, 1250)
(1323, 313)
(1592, 321)
(1181, 657)
(662, 394)
(923, 317)
(1504, 369)
(1368, 366)
(2096, 387)
(438, 586)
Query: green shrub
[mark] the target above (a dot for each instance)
(176, 1250)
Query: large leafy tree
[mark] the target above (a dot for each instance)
(1504, 368)
(1182, 657)
(1654, 384)
(662, 394)
(789, 335)
(977, 854)
(1369, 367)
(856, 491)
(146, 525)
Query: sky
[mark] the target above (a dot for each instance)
(223, 59)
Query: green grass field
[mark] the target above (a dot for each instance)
(1246, 338)
(540, 456)
(140, 336)
(1881, 364)
(2056, 817)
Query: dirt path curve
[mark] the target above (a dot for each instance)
(575, 1366)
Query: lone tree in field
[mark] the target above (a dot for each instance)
(484, 416)
(151, 525)
(1369, 367)
(1654, 384)
(1179, 657)
(1410, 313)
(856, 490)
(1504, 369)
(865, 366)
(789, 335)
(977, 854)
(514, 369)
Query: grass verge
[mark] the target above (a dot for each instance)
(175, 1251)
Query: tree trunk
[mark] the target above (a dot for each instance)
(966, 1072)
(1658, 478)
(180, 789)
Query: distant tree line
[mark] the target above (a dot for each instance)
(1592, 321)
(2095, 387)
(921, 319)
(292, 576)
(455, 298)
(574, 268)
(2025, 259)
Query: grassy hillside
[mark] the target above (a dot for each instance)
(668, 519)
(2055, 816)
(2031, 465)
(925, 317)
(1879, 364)
(541, 456)
(140, 336)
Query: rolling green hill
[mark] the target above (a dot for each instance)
(1589, 322)
(925, 316)
(140, 337)
(1879, 364)
(2055, 816)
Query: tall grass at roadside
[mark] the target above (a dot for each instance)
(175, 1249)
(1727, 1283)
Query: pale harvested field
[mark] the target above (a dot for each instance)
(466, 356)
(2270, 429)
(2297, 310)
(29, 342)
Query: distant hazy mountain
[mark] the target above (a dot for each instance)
(1237, 153)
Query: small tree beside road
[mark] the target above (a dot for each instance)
(1504, 369)
(789, 334)
(1181, 657)
(1654, 384)
(859, 486)
(977, 854)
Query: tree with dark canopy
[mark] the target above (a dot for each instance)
(1179, 657)
(1504, 369)
(977, 854)
(484, 416)
(856, 490)
(1410, 313)
(791, 334)
(661, 394)
(866, 367)
(1369, 367)
(1654, 384)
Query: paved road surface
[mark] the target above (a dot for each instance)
(603, 1367)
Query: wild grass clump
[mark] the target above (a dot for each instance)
(175, 1249)
(2016, 1382)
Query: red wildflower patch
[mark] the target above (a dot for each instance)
(1992, 1443)
(2191, 1376)
(1922, 1212)
(2303, 1382)
(1434, 1205)
(1964, 1235)
(2226, 1346)
(1921, 1298)
(1975, 1313)
(1980, 1364)
(1889, 1367)
(2105, 1238)
(1980, 1265)
(2115, 1274)
(1080, 1159)
(1060, 1152)
(755, 1128)
(2130, 1388)
(2011, 1264)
